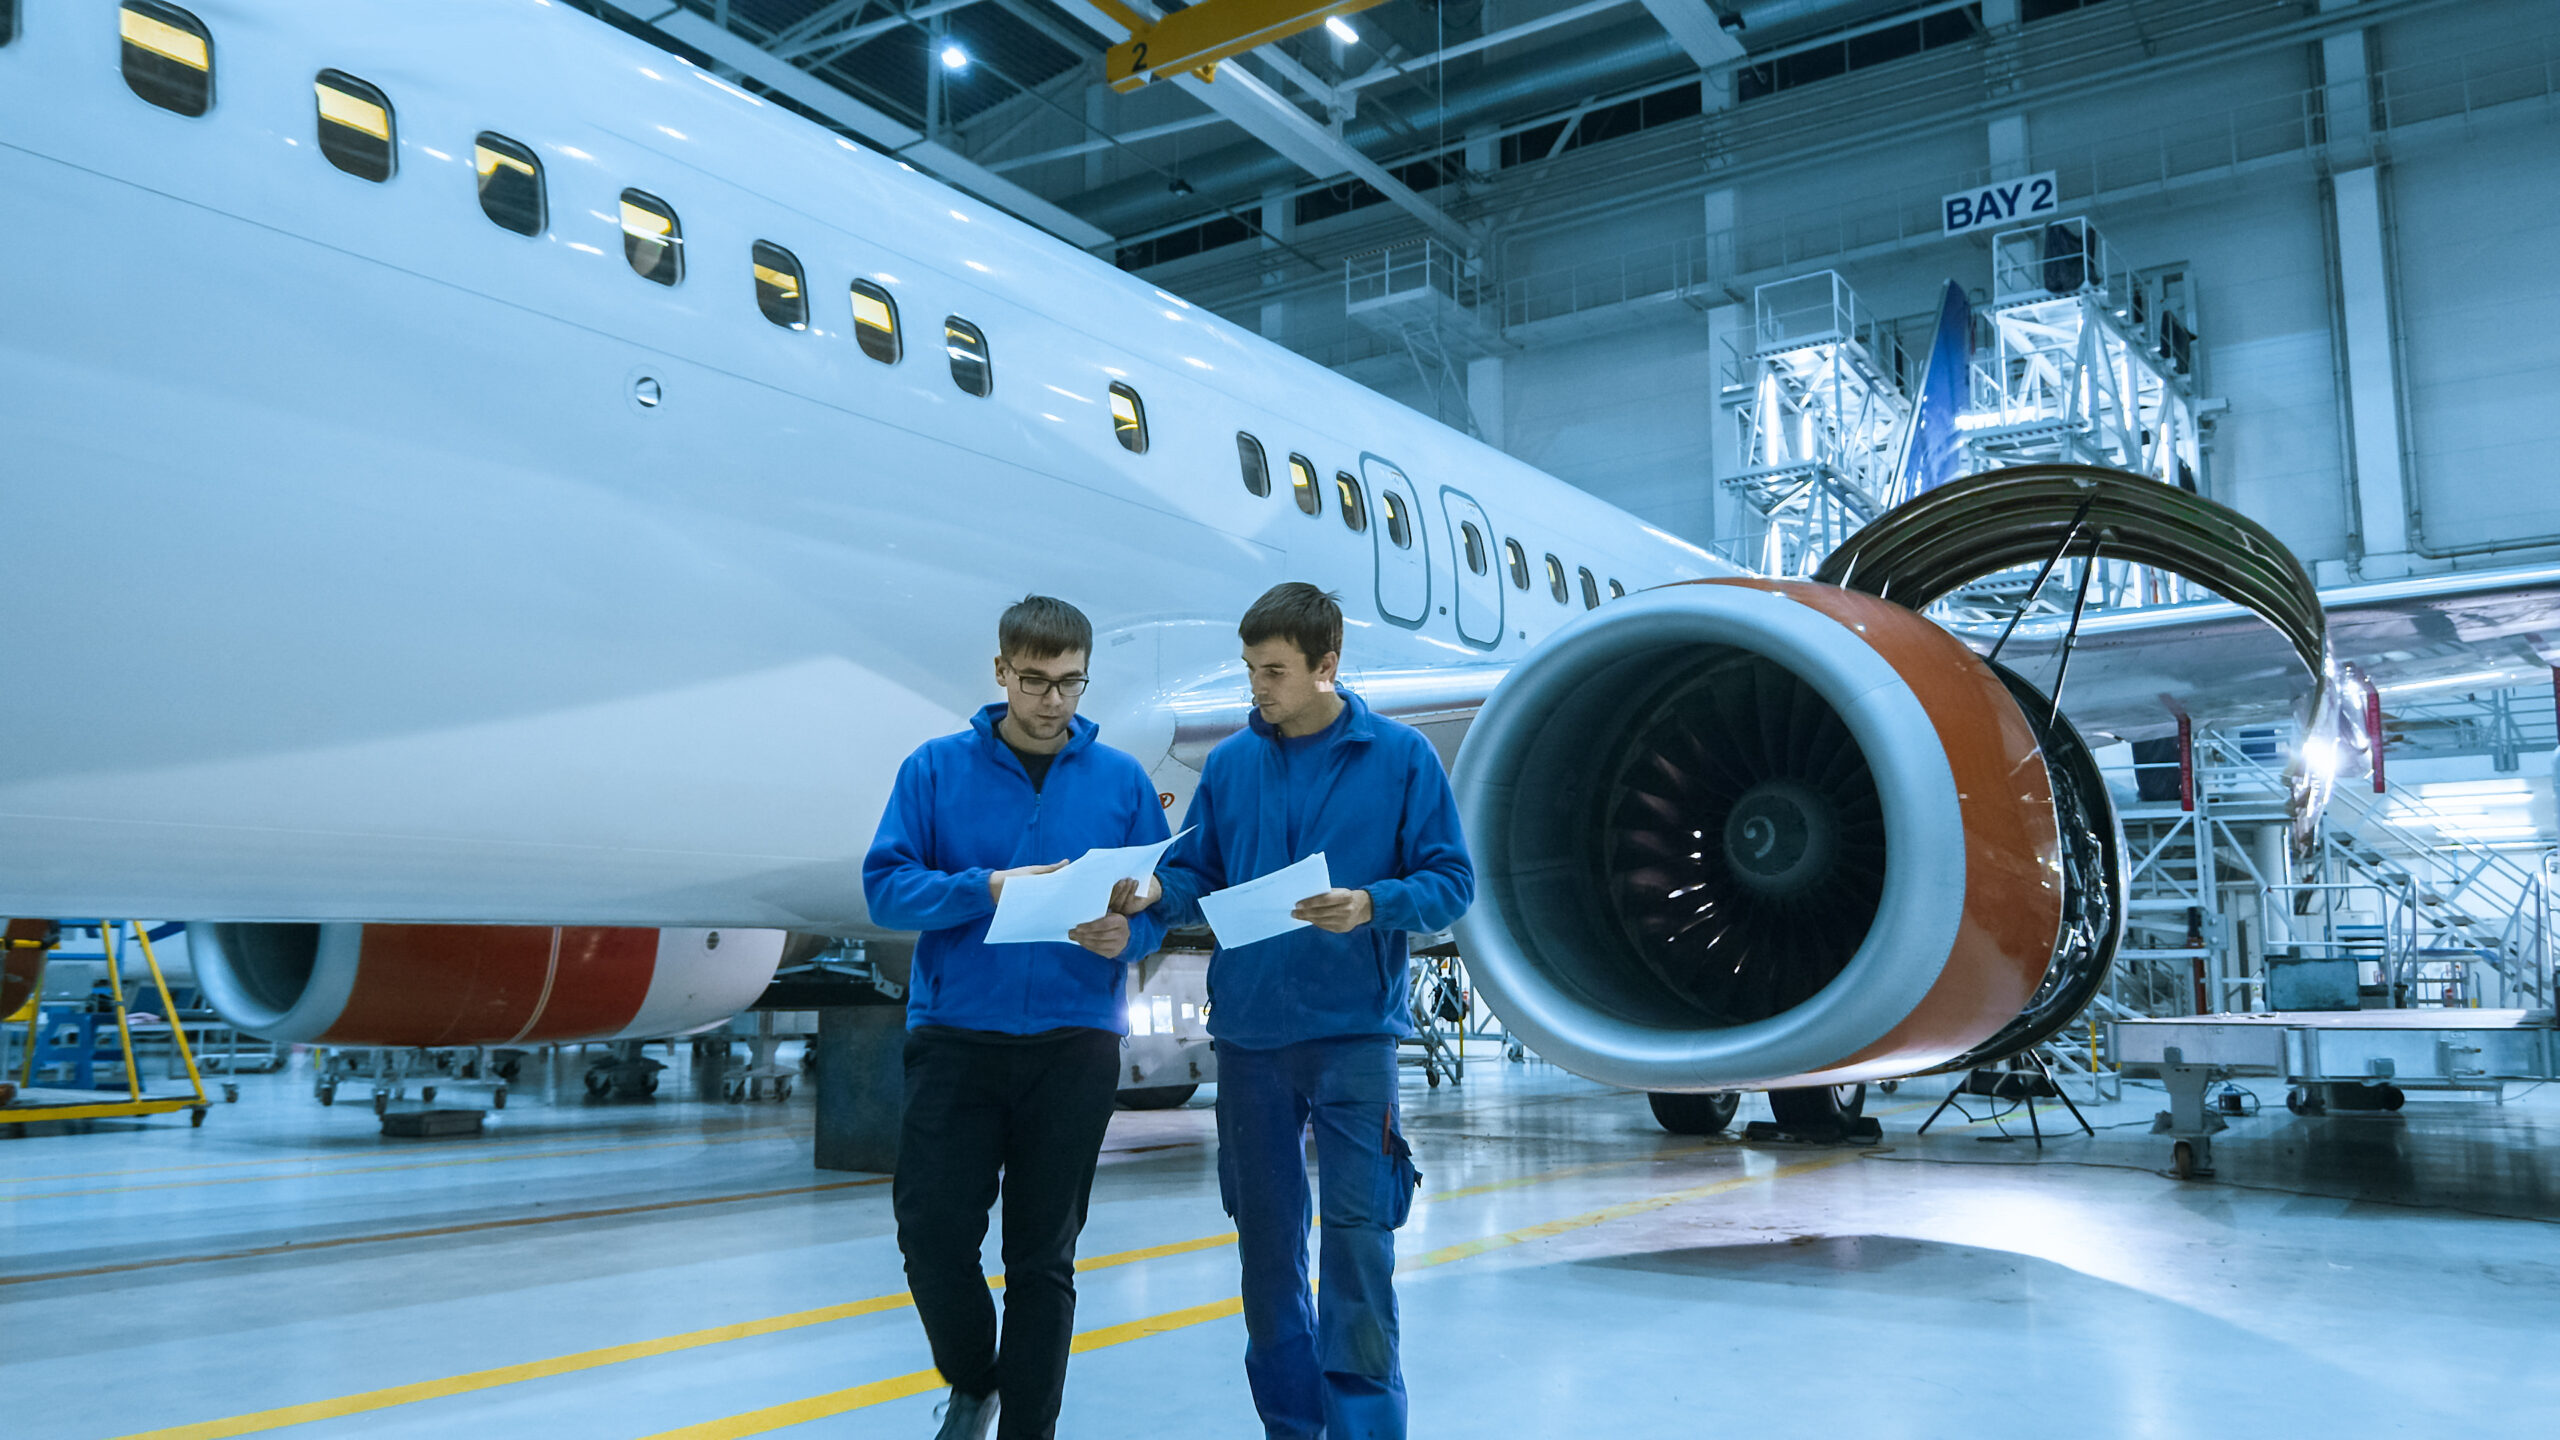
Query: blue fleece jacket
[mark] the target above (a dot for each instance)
(964, 807)
(1385, 819)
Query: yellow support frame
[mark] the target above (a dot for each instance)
(135, 1103)
(1213, 30)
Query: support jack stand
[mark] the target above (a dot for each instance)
(2019, 1085)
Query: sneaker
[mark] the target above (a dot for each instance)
(966, 1417)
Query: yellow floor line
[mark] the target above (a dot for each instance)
(839, 1402)
(1467, 1249)
(396, 1395)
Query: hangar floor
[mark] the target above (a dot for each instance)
(677, 1268)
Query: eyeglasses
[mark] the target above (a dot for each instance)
(1070, 686)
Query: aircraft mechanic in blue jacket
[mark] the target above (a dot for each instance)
(1013, 1051)
(1306, 1023)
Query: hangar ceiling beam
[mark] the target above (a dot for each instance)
(835, 42)
(1125, 137)
(765, 68)
(1697, 29)
(1336, 101)
(1265, 114)
(1394, 69)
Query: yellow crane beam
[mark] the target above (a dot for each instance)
(1198, 38)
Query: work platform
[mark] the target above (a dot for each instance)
(2444, 1049)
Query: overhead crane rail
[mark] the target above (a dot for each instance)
(1196, 39)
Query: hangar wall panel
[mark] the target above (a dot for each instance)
(2477, 217)
(1625, 417)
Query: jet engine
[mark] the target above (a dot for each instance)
(1744, 834)
(426, 985)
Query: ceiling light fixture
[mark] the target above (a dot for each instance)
(1341, 30)
(954, 58)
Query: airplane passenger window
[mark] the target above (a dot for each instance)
(1302, 483)
(1399, 529)
(1128, 418)
(780, 291)
(168, 56)
(1257, 469)
(1555, 578)
(1475, 545)
(875, 322)
(1355, 504)
(1519, 563)
(1617, 591)
(510, 184)
(355, 126)
(971, 369)
(651, 239)
(1590, 591)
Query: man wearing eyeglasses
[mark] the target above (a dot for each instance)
(1013, 1051)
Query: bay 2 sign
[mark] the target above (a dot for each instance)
(2030, 197)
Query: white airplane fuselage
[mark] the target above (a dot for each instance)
(350, 579)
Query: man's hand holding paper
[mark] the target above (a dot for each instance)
(1073, 903)
(1267, 905)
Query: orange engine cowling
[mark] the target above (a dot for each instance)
(355, 984)
(1751, 833)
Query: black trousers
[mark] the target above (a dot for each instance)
(1033, 1114)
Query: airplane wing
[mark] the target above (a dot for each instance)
(2134, 672)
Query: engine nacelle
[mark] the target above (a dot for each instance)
(404, 985)
(1747, 833)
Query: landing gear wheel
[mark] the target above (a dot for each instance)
(598, 1082)
(1694, 1114)
(2299, 1100)
(1889, 1086)
(1817, 1110)
(782, 1089)
(648, 1084)
(2182, 1160)
(1156, 1097)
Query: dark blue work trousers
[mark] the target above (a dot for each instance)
(1322, 1366)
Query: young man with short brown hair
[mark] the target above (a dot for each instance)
(1307, 1022)
(1013, 1051)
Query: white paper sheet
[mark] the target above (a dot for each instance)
(1259, 908)
(1041, 909)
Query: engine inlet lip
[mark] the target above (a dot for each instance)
(1920, 911)
(323, 999)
